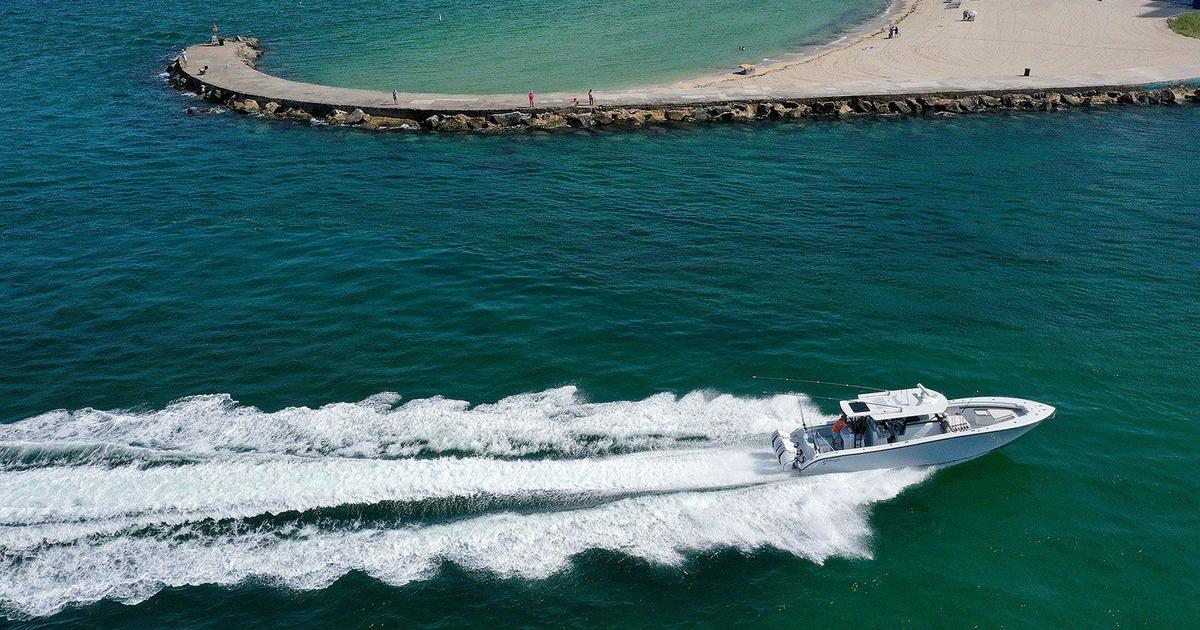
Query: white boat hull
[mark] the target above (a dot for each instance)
(951, 449)
(934, 450)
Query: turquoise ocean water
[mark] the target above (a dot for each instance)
(263, 374)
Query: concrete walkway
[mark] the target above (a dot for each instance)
(940, 59)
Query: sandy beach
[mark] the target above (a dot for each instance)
(1054, 38)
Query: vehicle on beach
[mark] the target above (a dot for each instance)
(905, 428)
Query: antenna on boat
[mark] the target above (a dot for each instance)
(806, 436)
(801, 380)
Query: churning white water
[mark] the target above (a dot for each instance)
(119, 505)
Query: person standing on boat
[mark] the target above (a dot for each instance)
(838, 442)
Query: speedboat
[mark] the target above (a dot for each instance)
(907, 428)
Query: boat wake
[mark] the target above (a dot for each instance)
(119, 505)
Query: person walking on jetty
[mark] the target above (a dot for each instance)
(395, 97)
(532, 97)
(591, 99)
(216, 36)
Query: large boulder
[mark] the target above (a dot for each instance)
(579, 120)
(1014, 101)
(336, 117)
(1074, 100)
(652, 116)
(743, 111)
(296, 114)
(270, 108)
(248, 106)
(799, 111)
(510, 119)
(548, 122)
(825, 108)
(678, 114)
(455, 124)
(619, 118)
(969, 104)
(387, 122)
(863, 106)
(948, 105)
(722, 113)
(356, 117)
(900, 107)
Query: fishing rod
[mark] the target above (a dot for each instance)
(802, 380)
(837, 400)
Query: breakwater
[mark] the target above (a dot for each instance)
(230, 81)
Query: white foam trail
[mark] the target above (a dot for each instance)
(556, 421)
(118, 504)
(240, 489)
(811, 518)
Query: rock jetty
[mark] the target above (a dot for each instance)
(628, 117)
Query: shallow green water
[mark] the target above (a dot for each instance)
(501, 46)
(614, 292)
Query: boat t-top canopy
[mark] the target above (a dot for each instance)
(900, 403)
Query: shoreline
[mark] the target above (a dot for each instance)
(937, 63)
(855, 33)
